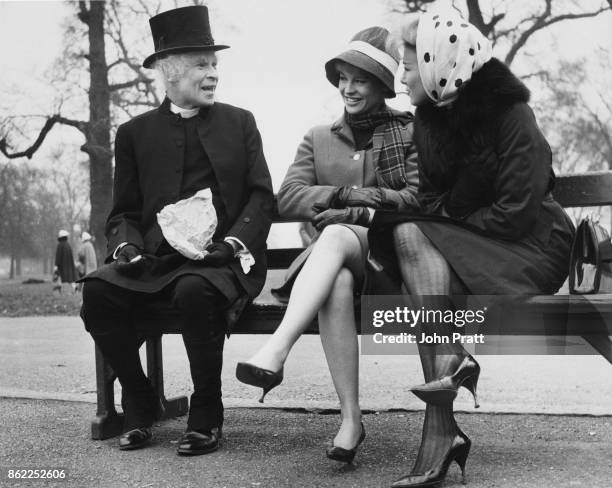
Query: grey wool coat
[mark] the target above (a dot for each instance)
(327, 159)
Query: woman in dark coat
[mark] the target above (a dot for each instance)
(488, 223)
(64, 259)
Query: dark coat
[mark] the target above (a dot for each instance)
(149, 162)
(64, 261)
(485, 163)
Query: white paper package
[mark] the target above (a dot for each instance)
(188, 225)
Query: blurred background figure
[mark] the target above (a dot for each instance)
(64, 271)
(86, 257)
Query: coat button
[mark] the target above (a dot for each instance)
(179, 143)
(114, 231)
(356, 156)
(247, 219)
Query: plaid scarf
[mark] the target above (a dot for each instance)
(389, 147)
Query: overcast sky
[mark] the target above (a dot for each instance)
(274, 67)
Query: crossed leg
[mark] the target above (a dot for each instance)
(325, 286)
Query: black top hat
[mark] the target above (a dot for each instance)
(181, 30)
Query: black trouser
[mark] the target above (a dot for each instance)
(107, 313)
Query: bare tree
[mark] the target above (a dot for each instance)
(541, 16)
(120, 85)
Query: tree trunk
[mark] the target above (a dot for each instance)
(98, 144)
(12, 267)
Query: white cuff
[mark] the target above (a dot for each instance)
(119, 247)
(246, 258)
(371, 212)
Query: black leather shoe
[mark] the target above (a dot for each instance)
(195, 443)
(444, 390)
(345, 455)
(254, 375)
(458, 451)
(135, 439)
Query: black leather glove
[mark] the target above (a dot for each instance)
(373, 197)
(219, 253)
(353, 215)
(130, 260)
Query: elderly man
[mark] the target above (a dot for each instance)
(164, 156)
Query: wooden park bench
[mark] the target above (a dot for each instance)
(262, 317)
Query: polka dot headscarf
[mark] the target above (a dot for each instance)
(449, 50)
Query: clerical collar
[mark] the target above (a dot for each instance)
(185, 113)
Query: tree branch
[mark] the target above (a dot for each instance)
(83, 14)
(128, 84)
(51, 121)
(541, 22)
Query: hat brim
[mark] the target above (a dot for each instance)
(180, 49)
(365, 63)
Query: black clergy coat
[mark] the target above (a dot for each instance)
(149, 162)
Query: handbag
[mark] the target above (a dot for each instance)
(590, 259)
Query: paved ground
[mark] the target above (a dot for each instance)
(47, 387)
(276, 449)
(52, 357)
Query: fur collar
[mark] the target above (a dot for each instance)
(455, 130)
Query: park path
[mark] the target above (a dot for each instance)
(52, 358)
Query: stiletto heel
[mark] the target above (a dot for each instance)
(444, 390)
(345, 455)
(470, 384)
(458, 452)
(256, 376)
(461, 459)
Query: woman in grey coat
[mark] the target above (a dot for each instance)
(341, 175)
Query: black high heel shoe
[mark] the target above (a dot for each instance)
(345, 455)
(256, 376)
(444, 390)
(458, 452)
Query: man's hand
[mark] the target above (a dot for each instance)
(219, 254)
(130, 260)
(353, 215)
(127, 253)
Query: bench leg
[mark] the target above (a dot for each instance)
(174, 407)
(108, 423)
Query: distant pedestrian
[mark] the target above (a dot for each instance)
(64, 262)
(86, 255)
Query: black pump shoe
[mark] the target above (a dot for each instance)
(135, 439)
(196, 443)
(458, 452)
(444, 390)
(256, 376)
(345, 455)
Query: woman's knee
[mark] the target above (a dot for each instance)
(336, 236)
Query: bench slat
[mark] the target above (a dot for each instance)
(584, 190)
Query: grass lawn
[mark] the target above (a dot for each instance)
(19, 300)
